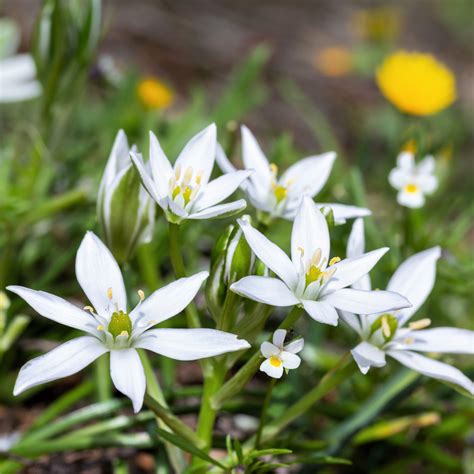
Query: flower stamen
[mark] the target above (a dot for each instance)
(275, 361)
(420, 324)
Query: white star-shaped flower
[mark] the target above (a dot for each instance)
(310, 278)
(279, 356)
(110, 327)
(413, 181)
(392, 334)
(281, 197)
(184, 191)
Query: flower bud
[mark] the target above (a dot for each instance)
(125, 211)
(231, 260)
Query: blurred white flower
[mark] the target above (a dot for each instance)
(111, 328)
(279, 356)
(184, 191)
(413, 181)
(280, 197)
(392, 334)
(17, 72)
(311, 279)
(124, 209)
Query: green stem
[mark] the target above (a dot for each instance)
(228, 312)
(192, 315)
(156, 398)
(102, 378)
(340, 372)
(263, 414)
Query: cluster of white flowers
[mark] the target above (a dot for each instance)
(326, 288)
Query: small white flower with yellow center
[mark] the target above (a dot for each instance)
(392, 334)
(311, 278)
(281, 196)
(110, 327)
(278, 356)
(413, 181)
(184, 191)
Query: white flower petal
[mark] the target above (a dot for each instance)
(427, 183)
(279, 337)
(367, 355)
(268, 349)
(366, 302)
(290, 360)
(352, 269)
(321, 311)
(450, 340)
(412, 200)
(356, 241)
(433, 368)
(128, 375)
(17, 92)
(398, 178)
(18, 68)
(427, 165)
(167, 301)
(295, 346)
(254, 158)
(57, 309)
(271, 370)
(265, 290)
(310, 232)
(145, 178)
(220, 211)
(190, 344)
(161, 168)
(222, 161)
(309, 175)
(219, 189)
(64, 360)
(342, 212)
(199, 153)
(414, 279)
(270, 254)
(351, 320)
(406, 161)
(99, 276)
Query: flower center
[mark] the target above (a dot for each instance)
(120, 324)
(185, 184)
(315, 270)
(275, 361)
(280, 192)
(411, 188)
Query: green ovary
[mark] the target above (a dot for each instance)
(313, 274)
(120, 323)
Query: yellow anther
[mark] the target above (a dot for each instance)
(141, 294)
(274, 169)
(110, 295)
(124, 333)
(100, 327)
(334, 260)
(152, 322)
(187, 193)
(420, 324)
(300, 250)
(176, 192)
(199, 177)
(177, 172)
(408, 340)
(275, 361)
(329, 274)
(316, 258)
(411, 188)
(280, 192)
(386, 326)
(188, 174)
(89, 308)
(289, 182)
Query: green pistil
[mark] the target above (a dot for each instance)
(120, 323)
(391, 322)
(313, 274)
(187, 194)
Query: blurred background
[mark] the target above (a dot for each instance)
(301, 75)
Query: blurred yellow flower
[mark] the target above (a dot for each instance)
(334, 61)
(416, 83)
(378, 24)
(154, 94)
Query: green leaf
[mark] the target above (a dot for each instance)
(185, 445)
